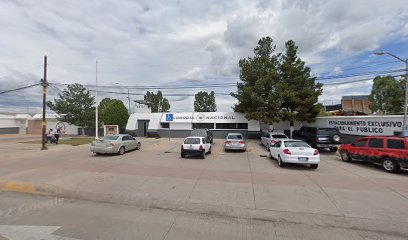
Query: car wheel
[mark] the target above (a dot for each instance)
(280, 162)
(138, 146)
(203, 155)
(390, 165)
(267, 147)
(333, 149)
(122, 150)
(270, 155)
(314, 166)
(345, 156)
(183, 155)
(98, 154)
(209, 151)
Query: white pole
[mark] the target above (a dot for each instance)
(96, 100)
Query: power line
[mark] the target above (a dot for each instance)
(20, 88)
(358, 67)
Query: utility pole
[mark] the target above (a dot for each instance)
(96, 100)
(44, 122)
(129, 99)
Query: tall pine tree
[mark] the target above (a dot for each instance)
(298, 92)
(276, 87)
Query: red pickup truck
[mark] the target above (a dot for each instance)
(390, 152)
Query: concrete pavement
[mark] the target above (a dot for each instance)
(247, 187)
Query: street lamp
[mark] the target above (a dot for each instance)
(404, 125)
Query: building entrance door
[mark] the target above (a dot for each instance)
(142, 127)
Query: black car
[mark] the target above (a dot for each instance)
(202, 132)
(320, 137)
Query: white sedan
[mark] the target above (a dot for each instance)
(294, 151)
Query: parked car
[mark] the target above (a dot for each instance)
(294, 151)
(390, 152)
(195, 146)
(202, 132)
(235, 141)
(320, 138)
(270, 138)
(120, 144)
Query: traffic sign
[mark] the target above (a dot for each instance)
(169, 117)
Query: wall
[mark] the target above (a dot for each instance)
(13, 123)
(34, 126)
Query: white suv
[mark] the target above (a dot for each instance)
(268, 139)
(195, 146)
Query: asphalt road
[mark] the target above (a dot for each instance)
(155, 194)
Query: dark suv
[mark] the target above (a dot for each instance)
(202, 132)
(390, 152)
(320, 137)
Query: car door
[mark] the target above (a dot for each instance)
(132, 142)
(374, 150)
(263, 135)
(358, 149)
(206, 144)
(397, 149)
(126, 142)
(274, 149)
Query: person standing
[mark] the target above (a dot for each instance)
(57, 135)
(49, 136)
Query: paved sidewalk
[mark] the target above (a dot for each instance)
(234, 185)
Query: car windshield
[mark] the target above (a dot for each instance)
(327, 131)
(192, 141)
(279, 136)
(110, 137)
(235, 136)
(295, 144)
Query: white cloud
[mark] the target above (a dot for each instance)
(161, 42)
(195, 74)
(337, 70)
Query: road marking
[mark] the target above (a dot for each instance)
(10, 186)
(22, 232)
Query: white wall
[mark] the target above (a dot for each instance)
(353, 125)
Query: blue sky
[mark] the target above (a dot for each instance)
(139, 43)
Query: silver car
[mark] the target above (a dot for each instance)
(235, 141)
(115, 144)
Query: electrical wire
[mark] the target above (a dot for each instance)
(20, 88)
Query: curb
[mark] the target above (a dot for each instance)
(29, 187)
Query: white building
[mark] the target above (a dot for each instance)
(221, 123)
(13, 123)
(35, 127)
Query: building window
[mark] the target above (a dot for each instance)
(203, 125)
(232, 125)
(242, 125)
(165, 125)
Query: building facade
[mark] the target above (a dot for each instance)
(358, 103)
(181, 124)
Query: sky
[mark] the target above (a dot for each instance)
(191, 43)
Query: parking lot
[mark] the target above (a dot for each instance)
(358, 198)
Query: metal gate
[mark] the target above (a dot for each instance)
(142, 127)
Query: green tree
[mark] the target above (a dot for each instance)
(297, 91)
(276, 87)
(157, 102)
(75, 106)
(322, 110)
(115, 113)
(205, 102)
(387, 95)
(256, 93)
(104, 103)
